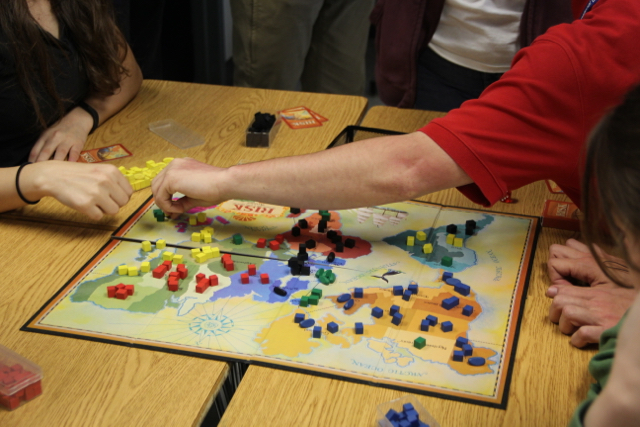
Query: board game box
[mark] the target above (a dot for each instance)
(256, 283)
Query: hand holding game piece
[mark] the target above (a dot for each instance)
(584, 312)
(94, 190)
(190, 177)
(64, 139)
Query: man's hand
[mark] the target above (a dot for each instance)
(585, 312)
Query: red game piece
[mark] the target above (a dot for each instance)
(182, 270)
(130, 289)
(159, 271)
(229, 266)
(279, 238)
(244, 278)
(261, 243)
(111, 291)
(274, 245)
(34, 390)
(202, 286)
(121, 294)
(173, 285)
(199, 277)
(252, 269)
(264, 278)
(213, 280)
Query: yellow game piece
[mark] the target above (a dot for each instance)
(208, 230)
(167, 160)
(150, 163)
(410, 240)
(195, 237)
(193, 220)
(161, 244)
(145, 267)
(132, 271)
(160, 166)
(146, 246)
(206, 237)
(139, 176)
(195, 252)
(201, 257)
(427, 248)
(122, 169)
(202, 217)
(178, 258)
(457, 242)
(206, 250)
(167, 256)
(421, 235)
(215, 252)
(450, 238)
(123, 270)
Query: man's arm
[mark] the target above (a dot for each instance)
(363, 173)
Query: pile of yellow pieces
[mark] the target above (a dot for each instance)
(127, 270)
(205, 254)
(140, 178)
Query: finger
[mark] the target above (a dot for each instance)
(92, 211)
(563, 251)
(35, 151)
(575, 316)
(119, 195)
(559, 303)
(578, 246)
(586, 335)
(108, 206)
(45, 154)
(74, 152)
(61, 153)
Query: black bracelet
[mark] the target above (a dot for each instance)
(94, 114)
(18, 185)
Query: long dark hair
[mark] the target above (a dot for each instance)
(91, 26)
(611, 184)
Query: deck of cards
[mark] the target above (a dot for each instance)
(301, 118)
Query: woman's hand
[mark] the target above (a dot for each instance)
(65, 139)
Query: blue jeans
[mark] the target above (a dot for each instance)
(443, 85)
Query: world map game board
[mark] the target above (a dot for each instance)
(249, 313)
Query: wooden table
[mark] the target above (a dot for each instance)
(549, 378)
(88, 383)
(221, 115)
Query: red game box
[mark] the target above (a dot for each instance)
(20, 379)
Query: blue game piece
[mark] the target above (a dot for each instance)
(377, 312)
(317, 331)
(349, 304)
(467, 310)
(359, 328)
(397, 318)
(398, 290)
(407, 407)
(307, 323)
(413, 418)
(446, 275)
(413, 287)
(424, 325)
(476, 361)
(452, 281)
(358, 293)
(394, 309)
(299, 317)
(404, 423)
(450, 303)
(460, 341)
(433, 320)
(446, 326)
(392, 415)
(458, 356)
(467, 350)
(332, 327)
(462, 289)
(344, 297)
(407, 295)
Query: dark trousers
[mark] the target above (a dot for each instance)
(443, 85)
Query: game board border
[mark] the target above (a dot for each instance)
(496, 403)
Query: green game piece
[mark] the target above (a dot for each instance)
(317, 292)
(320, 272)
(160, 218)
(447, 261)
(304, 302)
(325, 215)
(314, 299)
(419, 343)
(237, 239)
(324, 280)
(330, 276)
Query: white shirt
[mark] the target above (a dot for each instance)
(479, 34)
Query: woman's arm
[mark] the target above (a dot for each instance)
(68, 136)
(94, 190)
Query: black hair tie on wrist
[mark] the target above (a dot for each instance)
(94, 114)
(18, 185)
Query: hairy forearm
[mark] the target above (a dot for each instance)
(365, 173)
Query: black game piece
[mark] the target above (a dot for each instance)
(331, 234)
(303, 223)
(280, 291)
(336, 239)
(331, 257)
(349, 243)
(294, 210)
(302, 247)
(305, 270)
(262, 122)
(303, 256)
(310, 243)
(339, 247)
(292, 261)
(321, 227)
(471, 224)
(469, 231)
(295, 231)
(452, 229)
(295, 270)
